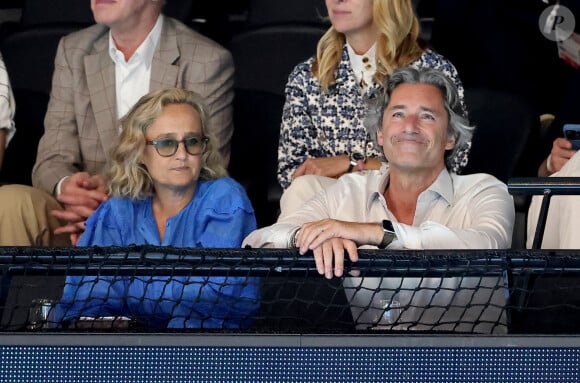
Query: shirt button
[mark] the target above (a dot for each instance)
(322, 137)
(370, 145)
(365, 60)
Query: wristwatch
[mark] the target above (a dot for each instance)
(389, 234)
(354, 158)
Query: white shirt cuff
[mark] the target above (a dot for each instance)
(59, 186)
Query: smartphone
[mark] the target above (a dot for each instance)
(572, 134)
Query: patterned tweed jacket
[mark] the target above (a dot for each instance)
(317, 124)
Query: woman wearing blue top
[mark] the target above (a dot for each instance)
(167, 188)
(322, 132)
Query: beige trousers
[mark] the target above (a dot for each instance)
(25, 218)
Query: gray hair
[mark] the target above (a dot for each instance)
(458, 126)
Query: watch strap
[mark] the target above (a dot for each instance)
(351, 166)
(354, 158)
(389, 234)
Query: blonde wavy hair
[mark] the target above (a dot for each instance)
(397, 43)
(126, 174)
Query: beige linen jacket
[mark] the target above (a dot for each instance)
(81, 123)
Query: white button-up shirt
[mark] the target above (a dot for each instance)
(132, 77)
(363, 66)
(563, 219)
(455, 212)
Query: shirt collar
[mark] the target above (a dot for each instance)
(365, 63)
(381, 185)
(443, 186)
(147, 48)
(345, 75)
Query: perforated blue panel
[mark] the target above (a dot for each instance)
(262, 364)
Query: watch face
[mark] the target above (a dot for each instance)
(357, 156)
(388, 226)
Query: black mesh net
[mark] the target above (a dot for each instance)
(162, 289)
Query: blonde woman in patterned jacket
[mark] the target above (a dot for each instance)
(322, 135)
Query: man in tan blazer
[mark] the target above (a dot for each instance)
(99, 73)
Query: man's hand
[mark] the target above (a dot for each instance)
(329, 256)
(329, 238)
(81, 194)
(561, 152)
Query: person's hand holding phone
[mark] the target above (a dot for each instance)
(562, 150)
(572, 134)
